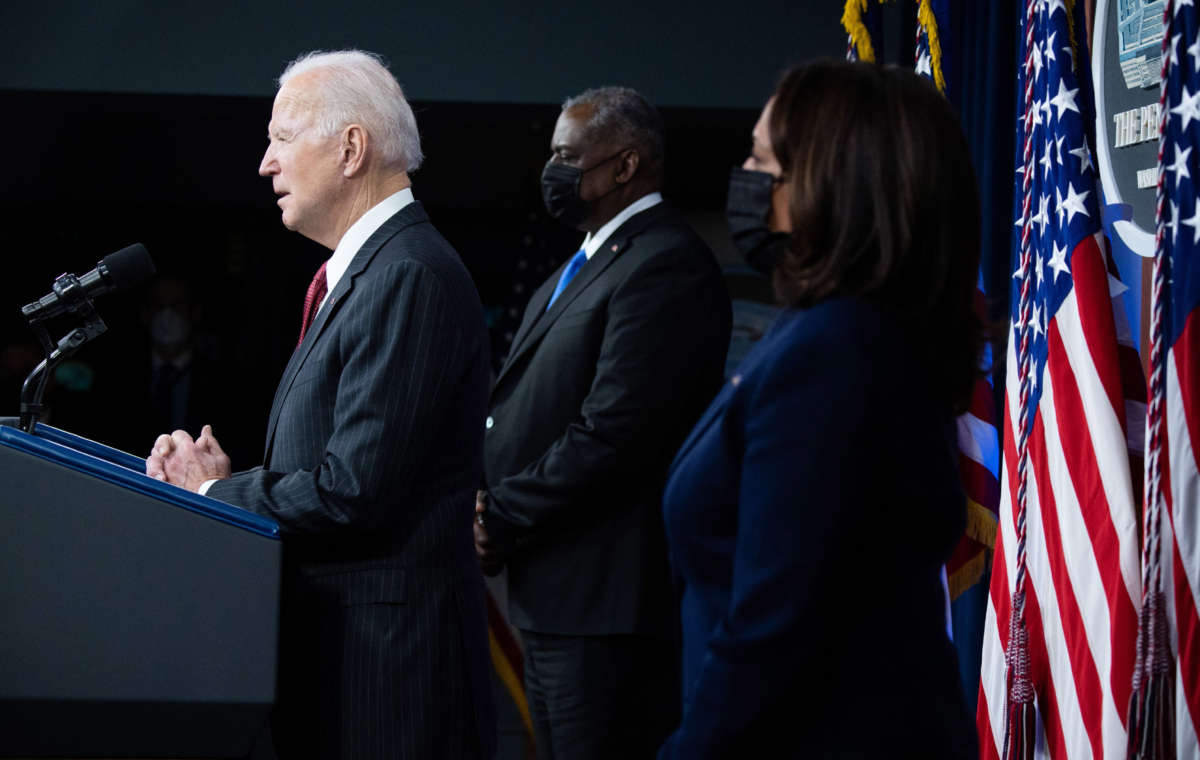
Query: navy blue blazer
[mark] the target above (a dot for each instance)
(374, 450)
(808, 515)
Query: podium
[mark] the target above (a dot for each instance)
(136, 619)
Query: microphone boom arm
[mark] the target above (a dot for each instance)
(68, 289)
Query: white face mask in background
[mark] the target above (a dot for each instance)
(169, 328)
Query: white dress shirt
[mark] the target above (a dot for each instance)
(592, 243)
(353, 239)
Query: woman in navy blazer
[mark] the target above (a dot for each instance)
(812, 507)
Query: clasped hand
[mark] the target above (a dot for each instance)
(187, 463)
(492, 549)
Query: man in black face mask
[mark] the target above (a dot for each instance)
(617, 355)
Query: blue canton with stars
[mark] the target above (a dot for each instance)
(922, 57)
(1181, 238)
(1064, 210)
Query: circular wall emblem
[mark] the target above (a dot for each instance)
(1126, 70)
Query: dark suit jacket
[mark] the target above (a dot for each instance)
(586, 413)
(808, 515)
(372, 456)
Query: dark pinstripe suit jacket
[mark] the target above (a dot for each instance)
(373, 452)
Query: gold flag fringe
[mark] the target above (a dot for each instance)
(853, 24)
(927, 19)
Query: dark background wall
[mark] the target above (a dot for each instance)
(139, 121)
(678, 52)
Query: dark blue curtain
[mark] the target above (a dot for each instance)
(979, 61)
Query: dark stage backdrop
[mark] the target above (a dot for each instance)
(678, 52)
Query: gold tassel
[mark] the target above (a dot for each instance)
(853, 24)
(927, 19)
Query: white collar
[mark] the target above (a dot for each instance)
(592, 243)
(363, 228)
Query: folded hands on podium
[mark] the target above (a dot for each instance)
(187, 463)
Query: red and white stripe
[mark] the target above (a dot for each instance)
(1082, 535)
(1181, 542)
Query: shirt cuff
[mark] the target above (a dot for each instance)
(203, 489)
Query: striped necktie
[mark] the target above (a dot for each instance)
(312, 300)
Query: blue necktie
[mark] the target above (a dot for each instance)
(573, 267)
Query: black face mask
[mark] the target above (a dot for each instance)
(747, 209)
(560, 190)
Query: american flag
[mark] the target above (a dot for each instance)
(979, 467)
(1068, 537)
(1173, 429)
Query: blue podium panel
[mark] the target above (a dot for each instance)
(137, 620)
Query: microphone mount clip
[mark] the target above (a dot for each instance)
(71, 293)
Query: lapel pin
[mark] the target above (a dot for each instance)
(614, 246)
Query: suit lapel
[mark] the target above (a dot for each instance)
(542, 319)
(535, 309)
(409, 215)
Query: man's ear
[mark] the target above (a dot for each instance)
(627, 165)
(353, 149)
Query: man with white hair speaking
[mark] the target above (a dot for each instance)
(374, 442)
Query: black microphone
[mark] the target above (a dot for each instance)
(118, 271)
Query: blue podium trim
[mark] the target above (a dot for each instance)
(88, 446)
(127, 471)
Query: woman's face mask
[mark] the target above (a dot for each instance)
(747, 208)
